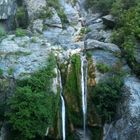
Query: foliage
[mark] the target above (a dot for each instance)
(1, 72)
(102, 6)
(34, 106)
(127, 31)
(103, 68)
(2, 31)
(45, 13)
(62, 16)
(106, 96)
(21, 17)
(20, 32)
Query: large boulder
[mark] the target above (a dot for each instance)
(109, 21)
(94, 45)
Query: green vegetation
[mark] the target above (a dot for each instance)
(34, 106)
(127, 32)
(102, 6)
(45, 13)
(2, 31)
(106, 96)
(103, 68)
(11, 71)
(21, 17)
(20, 32)
(1, 72)
(72, 91)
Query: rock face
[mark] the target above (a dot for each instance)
(7, 13)
(23, 55)
(34, 7)
(7, 9)
(94, 45)
(127, 126)
(54, 21)
(70, 11)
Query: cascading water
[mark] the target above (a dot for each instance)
(63, 111)
(84, 90)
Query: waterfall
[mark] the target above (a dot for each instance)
(84, 90)
(63, 110)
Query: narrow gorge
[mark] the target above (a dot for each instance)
(69, 70)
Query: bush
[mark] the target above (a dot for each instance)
(20, 32)
(34, 106)
(21, 17)
(102, 6)
(1, 72)
(2, 31)
(127, 31)
(103, 68)
(106, 96)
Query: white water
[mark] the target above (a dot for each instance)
(84, 90)
(63, 111)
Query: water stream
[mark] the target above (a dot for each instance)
(84, 90)
(63, 110)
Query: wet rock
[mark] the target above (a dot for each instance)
(109, 21)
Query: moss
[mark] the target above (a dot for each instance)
(72, 91)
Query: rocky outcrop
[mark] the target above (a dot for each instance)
(7, 9)
(34, 7)
(94, 45)
(54, 21)
(21, 56)
(109, 21)
(7, 14)
(127, 126)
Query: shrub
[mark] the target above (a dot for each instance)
(21, 17)
(1, 72)
(2, 31)
(103, 68)
(102, 6)
(106, 96)
(20, 32)
(127, 32)
(34, 106)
